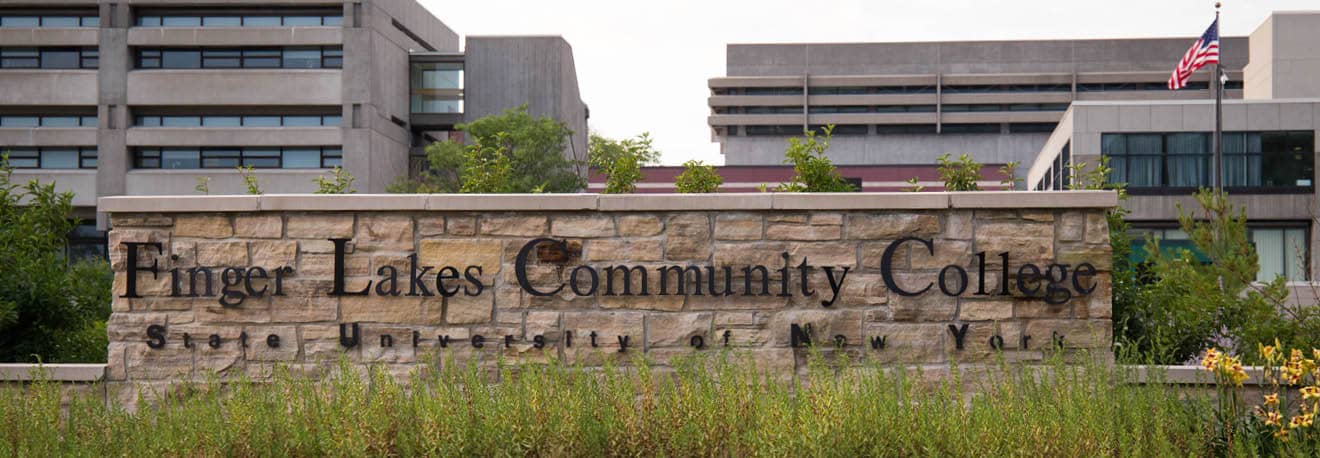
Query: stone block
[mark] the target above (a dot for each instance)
(907, 342)
(374, 309)
(678, 329)
(461, 225)
(639, 225)
(624, 250)
(261, 226)
(385, 232)
(822, 254)
(1097, 228)
(1071, 226)
(825, 326)
(464, 309)
(514, 225)
(608, 326)
(985, 310)
(272, 254)
(958, 225)
(688, 237)
(319, 226)
(222, 254)
(947, 252)
(259, 347)
(888, 226)
(387, 344)
(203, 226)
(872, 254)
(739, 226)
(783, 231)
(431, 225)
(460, 253)
(140, 220)
(582, 226)
(119, 251)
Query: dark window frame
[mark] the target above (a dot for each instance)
(153, 58)
(150, 158)
(36, 154)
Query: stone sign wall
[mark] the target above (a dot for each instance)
(238, 284)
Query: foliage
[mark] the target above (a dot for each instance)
(1008, 175)
(1283, 424)
(1188, 305)
(712, 403)
(203, 185)
(960, 175)
(532, 148)
(340, 182)
(49, 309)
(249, 179)
(621, 161)
(698, 177)
(913, 185)
(812, 170)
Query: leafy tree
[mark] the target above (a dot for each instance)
(960, 175)
(339, 182)
(621, 161)
(812, 170)
(531, 147)
(698, 178)
(49, 309)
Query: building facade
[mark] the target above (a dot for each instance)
(163, 97)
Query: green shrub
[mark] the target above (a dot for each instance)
(812, 170)
(249, 180)
(621, 161)
(340, 182)
(698, 178)
(960, 175)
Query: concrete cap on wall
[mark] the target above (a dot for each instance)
(611, 202)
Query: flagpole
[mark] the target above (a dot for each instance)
(1218, 86)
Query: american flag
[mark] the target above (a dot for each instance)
(1204, 51)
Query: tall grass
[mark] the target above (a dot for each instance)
(720, 404)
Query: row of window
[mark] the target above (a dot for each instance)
(47, 121)
(1271, 160)
(234, 20)
(947, 108)
(52, 157)
(288, 57)
(54, 58)
(964, 89)
(51, 20)
(896, 129)
(238, 121)
(230, 157)
(1281, 249)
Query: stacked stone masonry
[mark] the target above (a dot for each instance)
(520, 326)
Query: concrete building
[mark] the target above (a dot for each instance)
(1163, 149)
(146, 97)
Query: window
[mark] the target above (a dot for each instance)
(228, 58)
(436, 87)
(844, 129)
(85, 242)
(905, 109)
(235, 120)
(970, 128)
(20, 58)
(235, 18)
(1281, 251)
(773, 91)
(65, 20)
(851, 90)
(900, 129)
(773, 130)
(71, 157)
(1254, 161)
(838, 109)
(1031, 127)
(222, 21)
(20, 121)
(797, 109)
(264, 157)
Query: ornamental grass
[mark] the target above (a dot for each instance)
(716, 404)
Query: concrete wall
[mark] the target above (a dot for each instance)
(504, 72)
(893, 149)
(1285, 58)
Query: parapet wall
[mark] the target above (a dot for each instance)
(300, 280)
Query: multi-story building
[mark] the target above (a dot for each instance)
(147, 97)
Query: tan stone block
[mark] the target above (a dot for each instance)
(304, 309)
(323, 265)
(985, 310)
(639, 225)
(822, 254)
(978, 344)
(741, 301)
(608, 326)
(825, 325)
(1038, 308)
(859, 290)
(688, 237)
(958, 225)
(739, 255)
(517, 225)
(872, 253)
(543, 323)
(132, 327)
(827, 219)
(119, 220)
(321, 246)
(803, 232)
(730, 319)
(385, 232)
(222, 254)
(1071, 226)
(582, 226)
(783, 217)
(1097, 228)
(908, 342)
(273, 254)
(430, 225)
(931, 305)
(461, 225)
(678, 329)
(624, 250)
(251, 311)
(460, 253)
(145, 363)
(1098, 303)
(947, 252)
(285, 344)
(376, 309)
(1045, 216)
(739, 337)
(739, 226)
(319, 226)
(183, 254)
(1098, 255)
(388, 344)
(891, 225)
(464, 309)
(1075, 333)
(1020, 250)
(119, 251)
(203, 226)
(259, 226)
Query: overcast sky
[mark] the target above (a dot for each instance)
(643, 66)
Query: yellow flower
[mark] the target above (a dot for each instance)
(1310, 392)
(1272, 418)
(1295, 422)
(1210, 360)
(1315, 353)
(1272, 399)
(1305, 420)
(1295, 355)
(1281, 434)
(1268, 352)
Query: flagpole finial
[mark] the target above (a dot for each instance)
(1217, 6)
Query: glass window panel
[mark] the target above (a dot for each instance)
(222, 121)
(60, 21)
(334, 120)
(220, 158)
(333, 20)
(331, 162)
(91, 21)
(20, 121)
(181, 58)
(302, 121)
(179, 158)
(149, 121)
(261, 121)
(1189, 159)
(20, 58)
(261, 21)
(148, 21)
(181, 21)
(302, 58)
(20, 21)
(261, 58)
(221, 58)
(60, 121)
(1270, 250)
(222, 21)
(23, 158)
(302, 158)
(1295, 249)
(60, 58)
(88, 121)
(180, 121)
(262, 157)
(59, 158)
(91, 58)
(302, 21)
